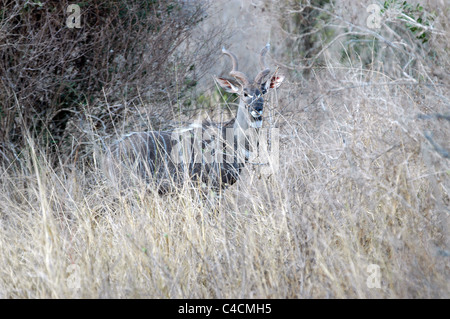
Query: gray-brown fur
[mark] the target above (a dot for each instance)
(149, 155)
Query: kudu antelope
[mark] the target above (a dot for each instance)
(167, 158)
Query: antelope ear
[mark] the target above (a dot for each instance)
(227, 85)
(276, 81)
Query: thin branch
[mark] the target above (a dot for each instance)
(439, 149)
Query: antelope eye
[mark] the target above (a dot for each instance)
(245, 94)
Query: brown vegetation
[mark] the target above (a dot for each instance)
(364, 174)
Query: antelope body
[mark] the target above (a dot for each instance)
(168, 158)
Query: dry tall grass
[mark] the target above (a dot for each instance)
(358, 184)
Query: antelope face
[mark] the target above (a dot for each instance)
(250, 92)
(254, 103)
(251, 103)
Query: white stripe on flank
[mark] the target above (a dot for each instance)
(256, 124)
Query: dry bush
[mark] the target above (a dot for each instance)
(363, 179)
(50, 72)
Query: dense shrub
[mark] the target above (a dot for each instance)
(48, 70)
